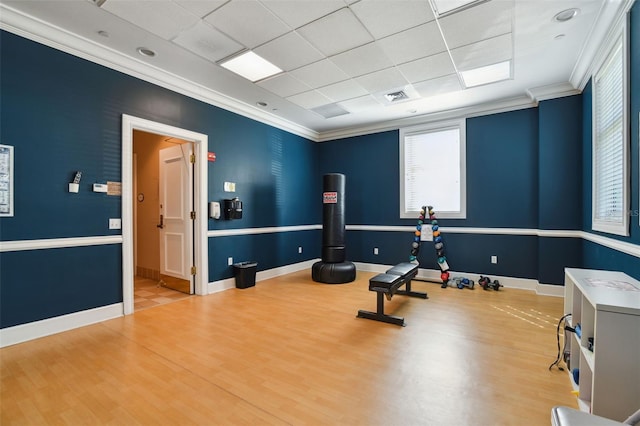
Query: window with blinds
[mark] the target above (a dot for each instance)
(610, 144)
(432, 169)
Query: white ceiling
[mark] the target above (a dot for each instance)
(338, 56)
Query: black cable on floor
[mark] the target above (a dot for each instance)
(559, 357)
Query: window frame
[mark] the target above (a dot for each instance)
(459, 124)
(617, 227)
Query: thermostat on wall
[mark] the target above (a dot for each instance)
(99, 187)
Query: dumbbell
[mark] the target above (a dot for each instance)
(485, 283)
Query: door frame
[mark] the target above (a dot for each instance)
(200, 242)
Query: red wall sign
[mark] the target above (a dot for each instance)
(329, 198)
(211, 156)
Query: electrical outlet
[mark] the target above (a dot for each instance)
(375, 250)
(230, 261)
(115, 223)
(300, 249)
(494, 259)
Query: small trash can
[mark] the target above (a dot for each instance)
(245, 274)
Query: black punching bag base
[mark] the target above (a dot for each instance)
(333, 273)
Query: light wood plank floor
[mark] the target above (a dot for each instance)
(291, 351)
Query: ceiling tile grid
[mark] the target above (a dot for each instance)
(338, 55)
(336, 49)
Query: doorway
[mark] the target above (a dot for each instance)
(196, 260)
(163, 229)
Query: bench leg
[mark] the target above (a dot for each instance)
(409, 292)
(380, 315)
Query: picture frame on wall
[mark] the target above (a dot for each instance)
(6, 180)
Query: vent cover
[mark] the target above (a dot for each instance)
(396, 96)
(330, 110)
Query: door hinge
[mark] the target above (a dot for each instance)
(192, 159)
(193, 215)
(193, 270)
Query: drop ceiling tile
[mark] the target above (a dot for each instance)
(207, 42)
(308, 100)
(478, 23)
(361, 104)
(382, 81)
(336, 33)
(343, 90)
(284, 85)
(289, 51)
(362, 60)
(412, 44)
(383, 18)
(427, 68)
(320, 74)
(486, 52)
(201, 8)
(248, 22)
(297, 13)
(438, 86)
(161, 17)
(330, 110)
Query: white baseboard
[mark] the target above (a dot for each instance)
(222, 285)
(226, 284)
(507, 282)
(550, 290)
(33, 330)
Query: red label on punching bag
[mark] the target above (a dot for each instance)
(329, 198)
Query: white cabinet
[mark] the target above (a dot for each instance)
(606, 304)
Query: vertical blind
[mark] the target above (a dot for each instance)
(609, 142)
(432, 170)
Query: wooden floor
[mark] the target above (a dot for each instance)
(292, 352)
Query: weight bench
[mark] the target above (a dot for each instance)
(387, 284)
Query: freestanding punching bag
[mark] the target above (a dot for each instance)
(333, 269)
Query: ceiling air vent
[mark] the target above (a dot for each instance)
(330, 110)
(396, 96)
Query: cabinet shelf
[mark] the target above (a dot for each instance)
(606, 304)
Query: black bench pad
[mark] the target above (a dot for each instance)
(386, 283)
(404, 268)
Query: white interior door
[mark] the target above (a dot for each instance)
(176, 226)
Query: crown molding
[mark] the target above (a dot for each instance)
(553, 91)
(505, 105)
(26, 26)
(610, 19)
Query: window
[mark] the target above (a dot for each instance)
(432, 169)
(610, 182)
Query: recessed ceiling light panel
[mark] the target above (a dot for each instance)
(251, 66)
(487, 74)
(447, 7)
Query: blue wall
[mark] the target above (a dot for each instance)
(63, 114)
(596, 256)
(520, 166)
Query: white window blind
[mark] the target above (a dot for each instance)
(610, 150)
(432, 170)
